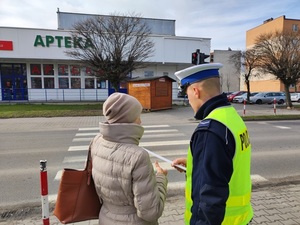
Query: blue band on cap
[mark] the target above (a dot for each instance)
(201, 75)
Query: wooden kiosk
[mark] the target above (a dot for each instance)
(154, 93)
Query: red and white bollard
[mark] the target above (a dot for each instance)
(244, 113)
(274, 103)
(44, 192)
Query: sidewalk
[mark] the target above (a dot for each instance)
(271, 204)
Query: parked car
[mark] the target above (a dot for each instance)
(228, 92)
(243, 97)
(295, 97)
(233, 94)
(268, 97)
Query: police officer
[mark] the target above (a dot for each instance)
(218, 185)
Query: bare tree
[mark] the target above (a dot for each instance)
(247, 62)
(279, 54)
(228, 83)
(221, 81)
(114, 46)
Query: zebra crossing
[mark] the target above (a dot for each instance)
(157, 138)
(164, 140)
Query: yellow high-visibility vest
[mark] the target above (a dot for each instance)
(238, 206)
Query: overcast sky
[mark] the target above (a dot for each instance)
(224, 21)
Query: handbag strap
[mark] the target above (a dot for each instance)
(89, 165)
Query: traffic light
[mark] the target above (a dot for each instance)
(195, 58)
(198, 57)
(202, 58)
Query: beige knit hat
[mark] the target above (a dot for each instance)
(121, 108)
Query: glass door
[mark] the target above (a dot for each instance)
(13, 82)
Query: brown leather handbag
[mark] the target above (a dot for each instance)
(77, 199)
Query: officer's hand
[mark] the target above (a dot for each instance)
(179, 161)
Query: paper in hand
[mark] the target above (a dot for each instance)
(164, 159)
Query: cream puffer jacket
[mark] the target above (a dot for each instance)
(124, 177)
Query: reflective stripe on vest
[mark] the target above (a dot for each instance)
(188, 188)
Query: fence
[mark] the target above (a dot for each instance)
(53, 95)
(59, 95)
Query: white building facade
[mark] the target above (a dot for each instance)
(230, 77)
(34, 66)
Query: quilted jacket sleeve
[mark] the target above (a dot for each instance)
(149, 190)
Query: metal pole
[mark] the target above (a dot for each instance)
(275, 106)
(198, 56)
(44, 192)
(244, 113)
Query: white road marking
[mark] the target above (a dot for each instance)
(261, 122)
(88, 129)
(155, 126)
(82, 139)
(160, 131)
(165, 143)
(163, 135)
(146, 126)
(78, 148)
(282, 127)
(167, 153)
(86, 134)
(58, 175)
(257, 178)
(75, 159)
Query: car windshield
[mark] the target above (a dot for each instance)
(260, 94)
(241, 95)
(245, 94)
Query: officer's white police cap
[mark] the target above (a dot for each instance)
(197, 73)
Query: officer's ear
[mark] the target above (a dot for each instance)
(196, 91)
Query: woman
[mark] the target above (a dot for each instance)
(125, 181)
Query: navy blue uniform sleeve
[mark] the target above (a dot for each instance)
(212, 170)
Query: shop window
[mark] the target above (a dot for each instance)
(75, 70)
(48, 82)
(63, 70)
(88, 71)
(123, 85)
(63, 83)
(48, 69)
(295, 27)
(89, 83)
(19, 69)
(6, 69)
(35, 69)
(75, 83)
(36, 82)
(13, 69)
(101, 84)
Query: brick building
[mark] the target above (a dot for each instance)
(268, 82)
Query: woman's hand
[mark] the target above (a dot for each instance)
(160, 170)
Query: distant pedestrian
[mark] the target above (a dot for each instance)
(124, 177)
(218, 185)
